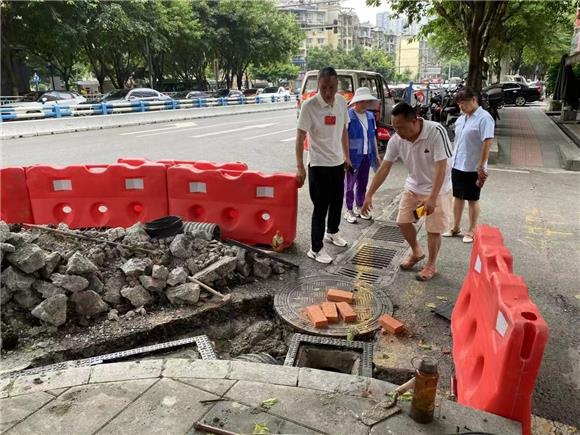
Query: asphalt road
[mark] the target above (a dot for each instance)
(537, 211)
(265, 141)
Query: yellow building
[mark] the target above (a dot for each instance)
(408, 56)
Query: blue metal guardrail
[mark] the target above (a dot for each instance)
(58, 111)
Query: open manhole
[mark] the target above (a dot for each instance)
(388, 233)
(370, 303)
(330, 354)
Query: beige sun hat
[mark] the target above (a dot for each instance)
(362, 94)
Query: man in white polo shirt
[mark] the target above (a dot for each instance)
(324, 118)
(425, 149)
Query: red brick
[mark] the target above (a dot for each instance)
(336, 295)
(391, 324)
(346, 312)
(316, 316)
(329, 310)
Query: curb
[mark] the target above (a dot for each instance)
(18, 129)
(493, 152)
(569, 150)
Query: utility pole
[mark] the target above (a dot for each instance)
(149, 61)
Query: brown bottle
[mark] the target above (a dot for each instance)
(423, 404)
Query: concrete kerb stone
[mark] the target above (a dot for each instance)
(569, 151)
(271, 374)
(50, 381)
(494, 151)
(122, 371)
(184, 368)
(17, 129)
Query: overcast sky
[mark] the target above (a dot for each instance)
(364, 12)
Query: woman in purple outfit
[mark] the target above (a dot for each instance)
(362, 140)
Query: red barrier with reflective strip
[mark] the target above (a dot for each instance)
(499, 334)
(97, 195)
(248, 206)
(14, 199)
(200, 164)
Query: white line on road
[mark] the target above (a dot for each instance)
(269, 134)
(247, 127)
(509, 170)
(176, 125)
(289, 139)
(202, 126)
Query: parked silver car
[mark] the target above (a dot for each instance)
(49, 99)
(137, 94)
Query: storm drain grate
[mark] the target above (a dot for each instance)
(361, 350)
(202, 343)
(373, 256)
(357, 275)
(388, 233)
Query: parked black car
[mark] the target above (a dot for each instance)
(516, 93)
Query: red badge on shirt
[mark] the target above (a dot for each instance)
(330, 120)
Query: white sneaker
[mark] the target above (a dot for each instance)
(366, 216)
(356, 211)
(320, 256)
(350, 217)
(335, 239)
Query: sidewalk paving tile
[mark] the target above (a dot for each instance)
(83, 410)
(50, 381)
(449, 418)
(331, 413)
(332, 382)
(15, 409)
(240, 418)
(5, 387)
(215, 386)
(169, 407)
(379, 389)
(185, 368)
(56, 392)
(123, 371)
(273, 374)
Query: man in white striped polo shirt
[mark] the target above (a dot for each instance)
(425, 149)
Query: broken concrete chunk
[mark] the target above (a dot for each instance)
(116, 233)
(262, 268)
(52, 310)
(96, 284)
(184, 294)
(177, 276)
(78, 264)
(27, 298)
(182, 246)
(218, 270)
(137, 295)
(7, 248)
(72, 283)
(5, 295)
(152, 284)
(47, 289)
(52, 261)
(113, 286)
(135, 235)
(113, 315)
(137, 266)
(278, 269)
(15, 280)
(160, 272)
(88, 303)
(27, 258)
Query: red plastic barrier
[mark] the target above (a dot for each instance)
(14, 201)
(97, 195)
(199, 164)
(248, 206)
(499, 334)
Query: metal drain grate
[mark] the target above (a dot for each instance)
(373, 256)
(202, 343)
(366, 349)
(357, 275)
(388, 233)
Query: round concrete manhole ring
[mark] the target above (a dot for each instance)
(370, 303)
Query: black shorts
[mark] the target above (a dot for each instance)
(464, 185)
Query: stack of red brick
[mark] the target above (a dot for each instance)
(336, 307)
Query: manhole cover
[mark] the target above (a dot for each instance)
(370, 303)
(373, 256)
(388, 233)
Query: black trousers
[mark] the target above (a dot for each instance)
(326, 185)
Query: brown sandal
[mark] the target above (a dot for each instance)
(426, 274)
(410, 261)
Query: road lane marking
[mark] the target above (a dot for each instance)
(176, 125)
(289, 139)
(158, 132)
(247, 127)
(269, 134)
(516, 171)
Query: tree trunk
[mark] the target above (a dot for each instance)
(475, 63)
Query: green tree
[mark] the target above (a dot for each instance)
(276, 72)
(404, 77)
